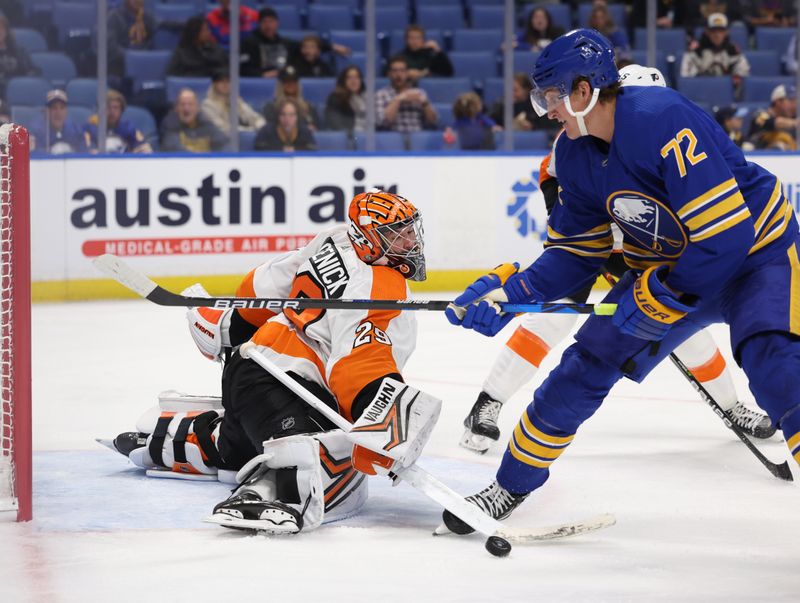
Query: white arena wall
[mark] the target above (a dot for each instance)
(183, 219)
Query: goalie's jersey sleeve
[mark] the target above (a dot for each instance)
(342, 350)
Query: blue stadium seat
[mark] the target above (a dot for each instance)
(201, 6)
(355, 40)
(669, 41)
(359, 59)
(445, 113)
(764, 62)
(440, 17)
(31, 91)
(198, 84)
(441, 2)
(26, 116)
(477, 65)
(29, 39)
(445, 89)
(492, 90)
(715, 90)
(427, 140)
(82, 92)
(774, 38)
(388, 18)
(174, 13)
(289, 16)
(617, 12)
(298, 34)
(55, 66)
(256, 90)
(559, 13)
(384, 141)
(486, 40)
(246, 140)
(538, 140)
(759, 89)
(397, 39)
(74, 20)
(524, 60)
(487, 17)
(332, 141)
(144, 67)
(325, 18)
(80, 115)
(143, 120)
(317, 89)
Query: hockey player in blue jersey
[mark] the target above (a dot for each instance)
(709, 236)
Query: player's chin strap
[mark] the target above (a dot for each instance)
(579, 115)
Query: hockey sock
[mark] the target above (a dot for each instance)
(704, 360)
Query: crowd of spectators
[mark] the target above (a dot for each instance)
(198, 120)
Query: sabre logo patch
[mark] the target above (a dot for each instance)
(647, 222)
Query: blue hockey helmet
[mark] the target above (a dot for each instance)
(578, 53)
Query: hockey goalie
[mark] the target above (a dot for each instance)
(293, 470)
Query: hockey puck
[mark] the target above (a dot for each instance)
(499, 547)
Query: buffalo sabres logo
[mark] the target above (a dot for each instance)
(648, 222)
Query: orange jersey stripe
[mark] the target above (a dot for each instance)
(247, 289)
(283, 340)
(528, 345)
(372, 359)
(711, 369)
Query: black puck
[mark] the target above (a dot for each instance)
(499, 547)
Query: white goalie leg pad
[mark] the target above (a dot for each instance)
(180, 402)
(704, 360)
(398, 422)
(344, 489)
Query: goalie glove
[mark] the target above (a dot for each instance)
(207, 326)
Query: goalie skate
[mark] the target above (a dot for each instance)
(481, 424)
(751, 422)
(247, 511)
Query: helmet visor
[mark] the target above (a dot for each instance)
(403, 246)
(547, 99)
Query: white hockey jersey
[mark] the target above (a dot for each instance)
(342, 350)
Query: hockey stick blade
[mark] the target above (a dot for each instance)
(533, 535)
(140, 284)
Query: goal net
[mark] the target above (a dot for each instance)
(15, 318)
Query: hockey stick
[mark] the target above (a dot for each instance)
(781, 471)
(145, 287)
(427, 484)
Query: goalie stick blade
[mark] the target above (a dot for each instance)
(108, 443)
(529, 536)
(124, 274)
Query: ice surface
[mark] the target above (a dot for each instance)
(699, 519)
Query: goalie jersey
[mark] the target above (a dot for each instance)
(694, 201)
(341, 350)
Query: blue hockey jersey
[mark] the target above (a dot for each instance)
(681, 192)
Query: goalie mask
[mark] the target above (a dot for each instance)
(386, 229)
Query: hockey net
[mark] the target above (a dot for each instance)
(15, 318)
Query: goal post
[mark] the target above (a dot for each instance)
(15, 323)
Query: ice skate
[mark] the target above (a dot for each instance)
(495, 500)
(752, 422)
(248, 511)
(481, 424)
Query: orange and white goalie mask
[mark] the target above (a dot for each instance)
(386, 229)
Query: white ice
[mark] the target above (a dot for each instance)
(699, 519)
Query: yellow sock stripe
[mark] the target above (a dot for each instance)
(522, 457)
(794, 442)
(530, 446)
(544, 438)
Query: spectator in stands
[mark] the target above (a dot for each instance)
(219, 22)
(265, 52)
(288, 133)
(730, 118)
(715, 54)
(790, 58)
(289, 87)
(308, 62)
(774, 127)
(57, 133)
(770, 13)
(5, 112)
(216, 106)
(121, 134)
(197, 53)
(601, 20)
(185, 128)
(668, 14)
(424, 57)
(130, 27)
(14, 60)
(539, 31)
(400, 106)
(346, 107)
(474, 128)
(524, 117)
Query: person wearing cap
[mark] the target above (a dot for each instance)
(715, 54)
(216, 106)
(55, 133)
(774, 127)
(219, 22)
(197, 53)
(289, 87)
(122, 136)
(187, 129)
(730, 119)
(265, 52)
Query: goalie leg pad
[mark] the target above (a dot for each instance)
(344, 488)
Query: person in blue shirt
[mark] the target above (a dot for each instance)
(55, 133)
(709, 236)
(122, 136)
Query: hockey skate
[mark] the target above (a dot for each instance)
(248, 511)
(493, 500)
(753, 423)
(481, 424)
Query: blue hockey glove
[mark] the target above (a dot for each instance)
(649, 309)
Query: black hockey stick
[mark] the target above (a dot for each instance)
(145, 287)
(781, 471)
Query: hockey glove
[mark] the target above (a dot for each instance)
(208, 327)
(649, 308)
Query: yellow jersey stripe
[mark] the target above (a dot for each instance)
(794, 301)
(719, 227)
(596, 244)
(534, 433)
(603, 253)
(776, 232)
(645, 264)
(716, 211)
(707, 197)
(774, 199)
(524, 458)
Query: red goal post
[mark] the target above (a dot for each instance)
(15, 323)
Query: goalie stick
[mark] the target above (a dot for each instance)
(781, 471)
(430, 486)
(150, 290)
